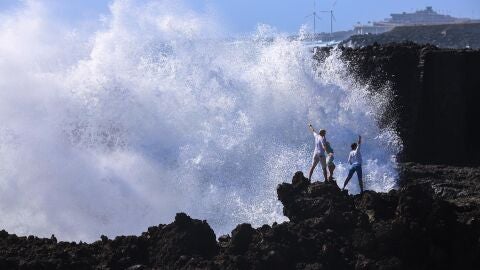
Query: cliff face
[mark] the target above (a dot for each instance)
(412, 228)
(436, 96)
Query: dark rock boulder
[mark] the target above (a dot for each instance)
(242, 236)
(303, 200)
(184, 237)
(457, 185)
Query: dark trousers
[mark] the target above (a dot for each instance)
(358, 169)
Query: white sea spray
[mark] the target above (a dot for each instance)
(114, 128)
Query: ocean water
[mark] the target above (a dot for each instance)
(112, 126)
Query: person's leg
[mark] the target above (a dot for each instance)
(331, 168)
(325, 174)
(360, 175)
(323, 162)
(314, 164)
(350, 174)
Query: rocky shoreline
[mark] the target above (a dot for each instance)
(432, 222)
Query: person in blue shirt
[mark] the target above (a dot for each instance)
(355, 161)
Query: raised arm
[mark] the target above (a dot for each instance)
(311, 128)
(359, 142)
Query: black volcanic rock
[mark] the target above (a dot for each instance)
(415, 227)
(378, 206)
(176, 245)
(242, 236)
(458, 185)
(301, 199)
(434, 97)
(184, 239)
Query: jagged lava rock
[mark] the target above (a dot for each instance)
(184, 239)
(411, 228)
(303, 200)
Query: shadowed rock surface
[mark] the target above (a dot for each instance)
(182, 242)
(435, 98)
(458, 185)
(419, 226)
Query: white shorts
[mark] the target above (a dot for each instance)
(317, 157)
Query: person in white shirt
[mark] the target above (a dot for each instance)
(319, 152)
(355, 161)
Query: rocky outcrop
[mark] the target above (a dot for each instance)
(435, 95)
(416, 227)
(457, 185)
(407, 229)
(179, 244)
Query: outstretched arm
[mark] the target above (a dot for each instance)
(359, 142)
(311, 128)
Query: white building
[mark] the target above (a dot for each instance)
(421, 17)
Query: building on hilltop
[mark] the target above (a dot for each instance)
(420, 17)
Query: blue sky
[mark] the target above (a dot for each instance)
(242, 16)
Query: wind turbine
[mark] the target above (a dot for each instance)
(315, 17)
(332, 17)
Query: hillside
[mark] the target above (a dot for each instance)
(456, 36)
